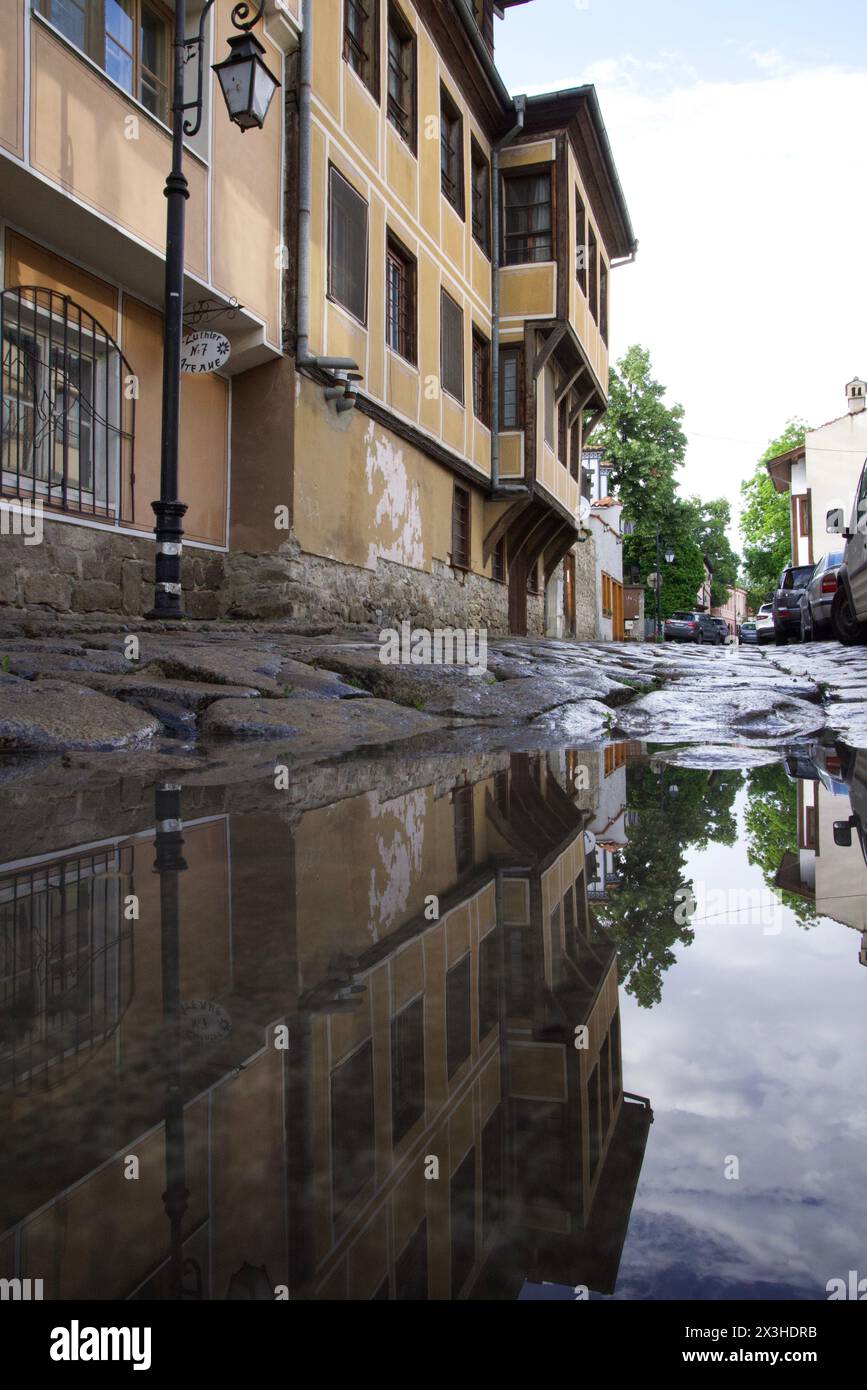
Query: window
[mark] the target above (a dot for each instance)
(489, 983)
(592, 274)
(465, 830)
(550, 393)
(603, 300)
(66, 428)
(452, 347)
(481, 191)
(580, 242)
(511, 388)
(410, 1269)
(352, 1126)
(361, 41)
(462, 1213)
(401, 76)
(131, 40)
(803, 516)
(400, 298)
(458, 1014)
(575, 457)
(498, 561)
(347, 246)
(461, 528)
(481, 378)
(527, 223)
(563, 432)
(451, 152)
(407, 1069)
(533, 586)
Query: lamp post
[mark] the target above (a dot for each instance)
(247, 87)
(669, 556)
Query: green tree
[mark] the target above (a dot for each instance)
(641, 437)
(712, 520)
(681, 580)
(765, 523)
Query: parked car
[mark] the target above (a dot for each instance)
(787, 602)
(765, 623)
(747, 632)
(816, 600)
(723, 626)
(849, 604)
(691, 627)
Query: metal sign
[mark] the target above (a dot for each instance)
(204, 352)
(654, 580)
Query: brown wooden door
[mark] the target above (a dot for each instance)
(518, 596)
(617, 628)
(569, 594)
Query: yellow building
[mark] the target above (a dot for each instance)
(412, 269)
(85, 148)
(455, 249)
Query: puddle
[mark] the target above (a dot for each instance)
(575, 1019)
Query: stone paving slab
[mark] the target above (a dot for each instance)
(53, 715)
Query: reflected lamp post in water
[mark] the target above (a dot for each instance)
(169, 863)
(247, 86)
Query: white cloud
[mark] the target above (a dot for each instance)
(749, 204)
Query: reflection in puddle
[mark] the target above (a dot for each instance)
(390, 1047)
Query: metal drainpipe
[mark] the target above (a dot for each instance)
(305, 205)
(305, 182)
(520, 109)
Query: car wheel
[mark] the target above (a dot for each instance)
(847, 628)
(780, 638)
(806, 630)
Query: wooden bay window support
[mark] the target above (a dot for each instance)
(572, 381)
(551, 343)
(503, 524)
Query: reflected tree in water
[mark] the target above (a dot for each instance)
(669, 812)
(772, 832)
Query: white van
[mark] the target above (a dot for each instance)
(849, 609)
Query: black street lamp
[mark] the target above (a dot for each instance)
(248, 87)
(669, 556)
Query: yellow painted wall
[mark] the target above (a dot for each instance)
(402, 189)
(12, 78)
(579, 311)
(363, 494)
(78, 140)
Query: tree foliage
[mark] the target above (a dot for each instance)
(772, 831)
(712, 520)
(765, 522)
(671, 811)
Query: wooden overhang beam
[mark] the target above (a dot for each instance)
(560, 545)
(548, 348)
(503, 524)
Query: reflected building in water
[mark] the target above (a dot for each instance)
(448, 1119)
(829, 869)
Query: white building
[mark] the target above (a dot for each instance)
(821, 474)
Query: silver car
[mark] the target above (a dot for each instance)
(817, 598)
(849, 604)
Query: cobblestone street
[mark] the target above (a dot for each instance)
(98, 688)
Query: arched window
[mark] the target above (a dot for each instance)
(67, 406)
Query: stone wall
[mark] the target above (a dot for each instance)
(586, 623)
(310, 588)
(80, 569)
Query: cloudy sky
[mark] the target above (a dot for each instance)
(738, 132)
